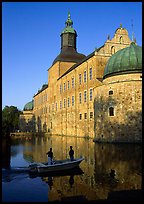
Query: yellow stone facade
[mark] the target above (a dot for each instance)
(66, 106)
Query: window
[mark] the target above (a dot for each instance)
(72, 82)
(72, 100)
(85, 96)
(80, 97)
(60, 88)
(85, 115)
(90, 94)
(68, 102)
(90, 73)
(111, 111)
(110, 92)
(68, 85)
(53, 107)
(60, 104)
(84, 76)
(112, 50)
(121, 40)
(91, 114)
(80, 116)
(64, 86)
(64, 103)
(80, 79)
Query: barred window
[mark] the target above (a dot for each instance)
(85, 115)
(80, 116)
(56, 106)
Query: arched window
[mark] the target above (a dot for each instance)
(112, 50)
(111, 111)
(121, 40)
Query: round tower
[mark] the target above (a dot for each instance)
(118, 101)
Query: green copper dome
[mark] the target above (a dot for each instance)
(126, 60)
(28, 106)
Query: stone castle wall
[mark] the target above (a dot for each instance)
(124, 94)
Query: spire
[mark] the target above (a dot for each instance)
(69, 22)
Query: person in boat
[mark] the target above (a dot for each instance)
(112, 173)
(71, 180)
(71, 153)
(50, 156)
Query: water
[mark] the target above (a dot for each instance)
(95, 183)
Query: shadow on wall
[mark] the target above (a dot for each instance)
(118, 127)
(33, 125)
(27, 126)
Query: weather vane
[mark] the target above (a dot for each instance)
(132, 30)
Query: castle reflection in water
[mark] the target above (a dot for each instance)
(100, 158)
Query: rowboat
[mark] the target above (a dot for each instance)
(12, 173)
(69, 172)
(57, 166)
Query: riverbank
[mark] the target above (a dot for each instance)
(117, 196)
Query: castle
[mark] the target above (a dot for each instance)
(97, 96)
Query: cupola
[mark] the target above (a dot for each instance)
(68, 44)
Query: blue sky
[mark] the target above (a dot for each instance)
(31, 38)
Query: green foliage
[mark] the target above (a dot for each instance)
(10, 119)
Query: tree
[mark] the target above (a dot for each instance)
(10, 119)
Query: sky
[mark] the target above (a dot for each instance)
(31, 39)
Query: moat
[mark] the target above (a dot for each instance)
(95, 183)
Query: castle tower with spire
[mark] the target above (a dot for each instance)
(68, 44)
